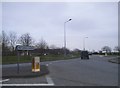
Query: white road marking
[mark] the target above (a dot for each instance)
(26, 84)
(49, 80)
(4, 80)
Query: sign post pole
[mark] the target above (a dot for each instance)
(22, 48)
(18, 61)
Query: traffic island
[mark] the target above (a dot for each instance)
(24, 72)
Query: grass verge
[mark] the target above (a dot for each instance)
(28, 59)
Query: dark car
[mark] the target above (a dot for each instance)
(84, 55)
(90, 53)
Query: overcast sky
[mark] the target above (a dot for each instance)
(96, 20)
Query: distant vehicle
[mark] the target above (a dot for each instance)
(90, 53)
(84, 55)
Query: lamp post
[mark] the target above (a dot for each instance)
(65, 37)
(84, 43)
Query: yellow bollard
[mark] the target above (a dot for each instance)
(36, 64)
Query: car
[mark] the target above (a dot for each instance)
(90, 53)
(84, 55)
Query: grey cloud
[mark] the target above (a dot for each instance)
(96, 20)
(82, 25)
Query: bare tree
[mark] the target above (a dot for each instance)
(5, 39)
(42, 44)
(5, 42)
(13, 40)
(26, 39)
(106, 48)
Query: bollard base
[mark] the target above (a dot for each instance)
(35, 70)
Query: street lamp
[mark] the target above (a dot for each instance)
(84, 43)
(65, 37)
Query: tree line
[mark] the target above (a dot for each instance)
(9, 41)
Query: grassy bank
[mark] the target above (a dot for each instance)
(27, 59)
(13, 59)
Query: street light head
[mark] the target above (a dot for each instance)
(70, 19)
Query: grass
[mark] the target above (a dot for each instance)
(14, 59)
(27, 59)
(57, 57)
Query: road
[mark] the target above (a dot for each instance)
(96, 71)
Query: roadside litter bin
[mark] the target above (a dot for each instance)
(36, 64)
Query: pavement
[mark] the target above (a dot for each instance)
(97, 71)
(24, 72)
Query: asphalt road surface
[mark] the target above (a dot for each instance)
(96, 71)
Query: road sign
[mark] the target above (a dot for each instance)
(22, 48)
(19, 47)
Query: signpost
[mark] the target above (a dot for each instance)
(19, 47)
(22, 48)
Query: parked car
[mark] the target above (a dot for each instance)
(84, 55)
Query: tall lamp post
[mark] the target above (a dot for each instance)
(84, 43)
(65, 37)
